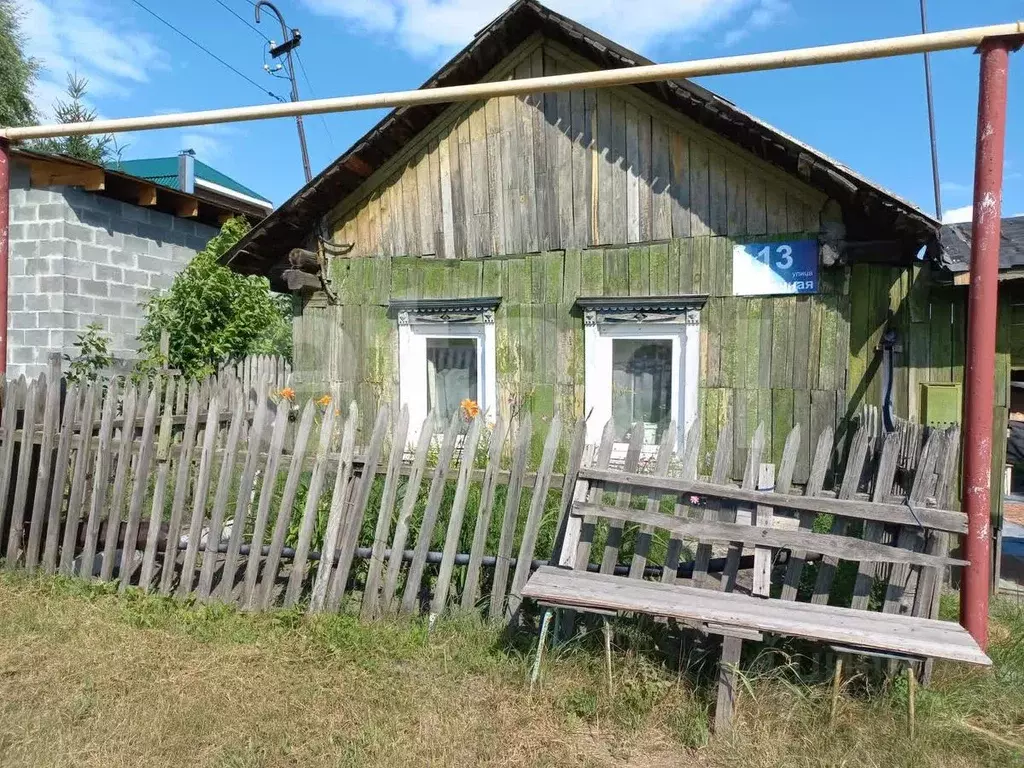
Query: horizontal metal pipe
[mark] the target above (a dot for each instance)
(801, 57)
(684, 571)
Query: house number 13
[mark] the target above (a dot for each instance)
(783, 253)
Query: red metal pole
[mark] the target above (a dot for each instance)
(981, 335)
(5, 244)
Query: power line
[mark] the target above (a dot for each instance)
(207, 51)
(234, 13)
(309, 85)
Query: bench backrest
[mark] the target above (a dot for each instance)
(898, 543)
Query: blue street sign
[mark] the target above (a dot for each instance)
(760, 269)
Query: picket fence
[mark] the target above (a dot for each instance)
(228, 490)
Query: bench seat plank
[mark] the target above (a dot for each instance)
(897, 514)
(841, 547)
(910, 635)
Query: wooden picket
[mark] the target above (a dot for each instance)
(219, 489)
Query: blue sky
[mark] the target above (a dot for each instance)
(869, 115)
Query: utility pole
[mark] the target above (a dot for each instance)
(931, 119)
(292, 38)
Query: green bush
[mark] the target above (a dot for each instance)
(213, 314)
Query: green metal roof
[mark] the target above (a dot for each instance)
(164, 171)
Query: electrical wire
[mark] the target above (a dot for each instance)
(305, 76)
(207, 51)
(234, 13)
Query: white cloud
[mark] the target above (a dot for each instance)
(954, 187)
(429, 27)
(210, 142)
(73, 36)
(958, 215)
(763, 15)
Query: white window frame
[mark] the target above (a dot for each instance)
(598, 337)
(413, 332)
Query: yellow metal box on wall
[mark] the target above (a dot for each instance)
(940, 404)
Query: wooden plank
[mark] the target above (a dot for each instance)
(750, 476)
(256, 438)
(495, 181)
(35, 397)
(661, 181)
(273, 459)
(762, 581)
(679, 191)
(309, 514)
(339, 501)
(202, 488)
(412, 492)
(100, 482)
(371, 592)
(77, 495)
(156, 515)
(700, 190)
(60, 469)
(537, 504)
(455, 518)
(430, 514)
(851, 481)
(211, 551)
(357, 511)
(736, 198)
(567, 529)
(581, 558)
(560, 141)
(644, 172)
(51, 415)
(610, 558)
(508, 526)
(718, 180)
(908, 635)
(688, 471)
(719, 474)
(471, 589)
(140, 485)
(582, 144)
(284, 510)
(642, 546)
(874, 531)
(756, 204)
(618, 180)
(181, 489)
(728, 682)
(632, 170)
(815, 484)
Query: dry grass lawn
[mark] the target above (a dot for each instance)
(89, 678)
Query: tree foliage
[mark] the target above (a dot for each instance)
(17, 71)
(213, 314)
(94, 149)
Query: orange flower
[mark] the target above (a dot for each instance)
(324, 401)
(470, 409)
(287, 393)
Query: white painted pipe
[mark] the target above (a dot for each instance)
(801, 57)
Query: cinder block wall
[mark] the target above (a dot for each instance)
(78, 258)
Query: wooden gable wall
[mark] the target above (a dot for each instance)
(516, 175)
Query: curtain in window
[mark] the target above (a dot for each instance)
(451, 374)
(641, 386)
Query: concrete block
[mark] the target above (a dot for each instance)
(47, 284)
(25, 249)
(110, 307)
(38, 266)
(160, 280)
(75, 268)
(109, 238)
(52, 212)
(135, 213)
(95, 288)
(16, 267)
(39, 302)
(15, 302)
(56, 229)
(126, 325)
(157, 233)
(25, 213)
(79, 233)
(95, 254)
(41, 196)
(79, 304)
(72, 250)
(14, 338)
(67, 285)
(136, 277)
(123, 258)
(23, 355)
(136, 244)
(119, 290)
(17, 231)
(154, 264)
(24, 320)
(51, 320)
(39, 339)
(25, 284)
(108, 274)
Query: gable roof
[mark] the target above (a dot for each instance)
(955, 240)
(164, 171)
(870, 212)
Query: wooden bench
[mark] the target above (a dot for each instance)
(901, 544)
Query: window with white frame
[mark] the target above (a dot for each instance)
(446, 356)
(642, 366)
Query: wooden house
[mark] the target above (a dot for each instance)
(649, 253)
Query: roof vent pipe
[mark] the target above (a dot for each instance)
(187, 170)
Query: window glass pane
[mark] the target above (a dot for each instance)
(451, 374)
(641, 386)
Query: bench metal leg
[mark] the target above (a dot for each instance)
(544, 626)
(728, 679)
(837, 683)
(608, 655)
